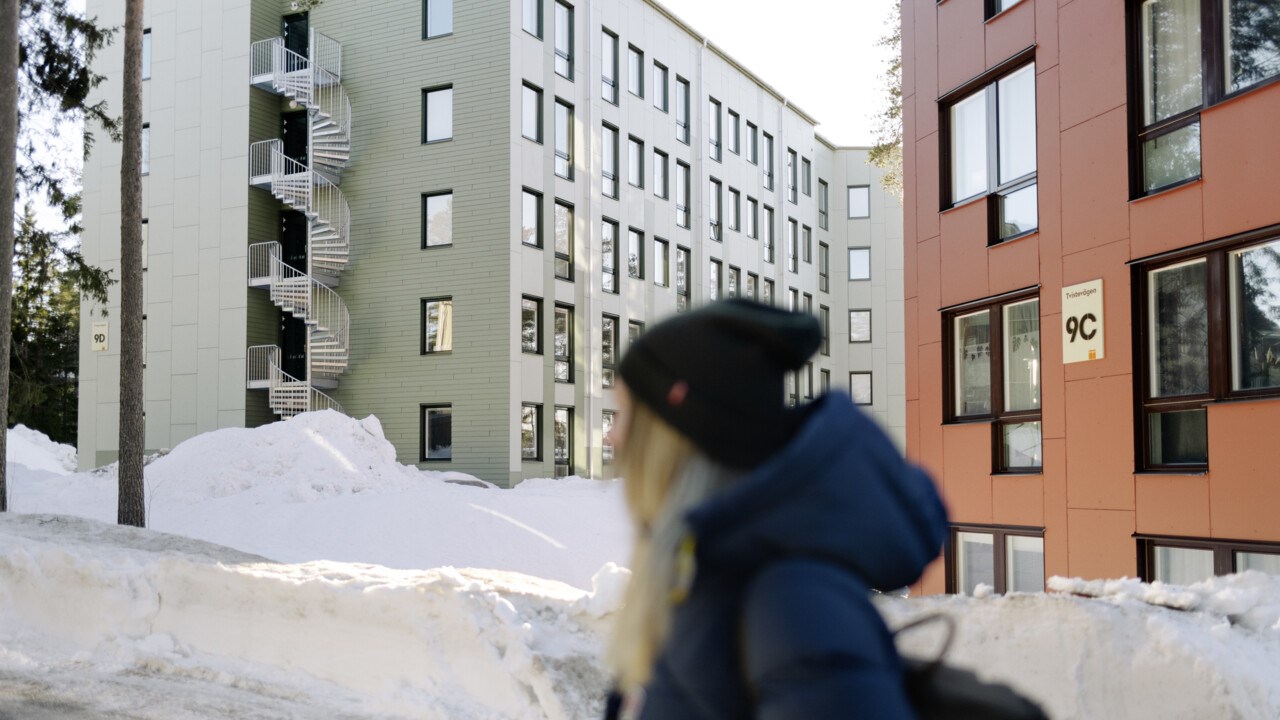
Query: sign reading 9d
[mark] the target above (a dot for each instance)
(1082, 322)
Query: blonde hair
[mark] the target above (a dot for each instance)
(666, 476)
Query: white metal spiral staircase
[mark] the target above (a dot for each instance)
(306, 293)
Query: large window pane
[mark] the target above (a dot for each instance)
(438, 213)
(1178, 438)
(859, 201)
(635, 254)
(1253, 41)
(1171, 71)
(969, 147)
(975, 561)
(531, 115)
(563, 328)
(859, 326)
(530, 325)
(609, 256)
(1255, 315)
(973, 364)
(562, 431)
(1172, 157)
(635, 71)
(439, 17)
(609, 66)
(1022, 356)
(437, 330)
(1266, 562)
(1182, 566)
(439, 115)
(1017, 124)
(437, 442)
(606, 441)
(531, 219)
(564, 40)
(609, 162)
(1179, 324)
(1018, 212)
(1021, 447)
(859, 263)
(564, 242)
(530, 432)
(860, 387)
(532, 17)
(608, 349)
(1024, 563)
(564, 140)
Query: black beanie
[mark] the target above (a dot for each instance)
(717, 375)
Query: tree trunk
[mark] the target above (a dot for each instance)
(131, 509)
(8, 161)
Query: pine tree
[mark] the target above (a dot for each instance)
(886, 154)
(131, 509)
(8, 161)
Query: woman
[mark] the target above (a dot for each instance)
(761, 529)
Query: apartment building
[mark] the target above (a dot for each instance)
(1093, 285)
(456, 216)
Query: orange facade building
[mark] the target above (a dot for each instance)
(1092, 222)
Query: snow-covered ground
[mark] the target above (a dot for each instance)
(360, 588)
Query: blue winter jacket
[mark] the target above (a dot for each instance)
(778, 623)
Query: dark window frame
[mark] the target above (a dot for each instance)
(639, 274)
(539, 229)
(715, 129)
(849, 208)
(567, 358)
(563, 260)
(606, 174)
(824, 204)
(426, 20)
(633, 173)
(423, 409)
(638, 78)
(537, 19)
(661, 262)
(607, 272)
(569, 56)
(537, 431)
(608, 362)
(422, 325)
(563, 467)
(426, 94)
(609, 85)
(870, 329)
(426, 198)
(715, 202)
(850, 268)
(998, 533)
(540, 131)
(1224, 551)
(871, 380)
(661, 160)
(567, 156)
(537, 324)
(824, 267)
(824, 319)
(684, 285)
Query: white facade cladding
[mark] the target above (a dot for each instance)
(486, 288)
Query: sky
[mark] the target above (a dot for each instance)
(820, 54)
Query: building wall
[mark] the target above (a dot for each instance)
(195, 201)
(1089, 499)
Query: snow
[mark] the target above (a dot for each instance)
(361, 588)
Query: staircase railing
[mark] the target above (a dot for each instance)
(263, 364)
(327, 53)
(301, 294)
(298, 186)
(290, 72)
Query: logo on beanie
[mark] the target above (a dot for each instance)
(677, 393)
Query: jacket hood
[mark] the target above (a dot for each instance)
(839, 490)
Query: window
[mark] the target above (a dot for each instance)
(860, 263)
(1210, 332)
(531, 218)
(824, 318)
(1191, 54)
(635, 329)
(808, 304)
(609, 255)
(437, 219)
(753, 219)
(660, 187)
(660, 99)
(735, 209)
(609, 161)
(859, 326)
(992, 356)
(437, 18)
(531, 432)
(531, 112)
(768, 234)
(992, 149)
(735, 282)
(146, 241)
(608, 349)
(824, 379)
(437, 114)
(146, 54)
(715, 280)
(766, 296)
(531, 325)
(792, 169)
(606, 436)
(806, 243)
(563, 432)
(635, 161)
(995, 7)
(768, 161)
(806, 177)
(682, 194)
(635, 71)
(146, 149)
(735, 136)
(635, 254)
(713, 128)
(437, 325)
(564, 139)
(564, 40)
(859, 202)
(1183, 561)
(682, 279)
(715, 201)
(532, 21)
(661, 262)
(436, 422)
(564, 240)
(753, 150)
(682, 110)
(793, 239)
(824, 203)
(609, 66)
(563, 344)
(824, 267)
(1006, 559)
(860, 387)
(793, 300)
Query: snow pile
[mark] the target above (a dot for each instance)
(324, 486)
(76, 594)
(1126, 652)
(34, 450)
